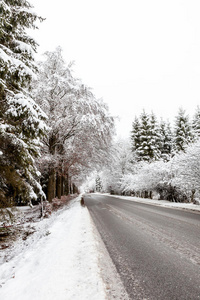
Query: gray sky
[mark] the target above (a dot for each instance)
(135, 54)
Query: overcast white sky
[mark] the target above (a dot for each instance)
(135, 54)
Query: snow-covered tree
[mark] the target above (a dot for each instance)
(144, 151)
(175, 176)
(182, 131)
(196, 123)
(81, 126)
(155, 137)
(186, 167)
(177, 179)
(146, 179)
(98, 183)
(16, 46)
(145, 137)
(135, 134)
(21, 119)
(121, 161)
(166, 140)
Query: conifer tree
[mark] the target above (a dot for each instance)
(135, 134)
(148, 139)
(182, 131)
(166, 140)
(196, 123)
(143, 150)
(155, 137)
(21, 119)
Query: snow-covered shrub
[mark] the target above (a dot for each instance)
(175, 180)
(186, 167)
(146, 179)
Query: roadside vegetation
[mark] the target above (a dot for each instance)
(159, 161)
(53, 130)
(56, 136)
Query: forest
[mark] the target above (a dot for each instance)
(53, 130)
(159, 160)
(57, 138)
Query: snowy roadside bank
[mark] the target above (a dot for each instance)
(188, 206)
(59, 261)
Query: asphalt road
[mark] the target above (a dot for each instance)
(156, 250)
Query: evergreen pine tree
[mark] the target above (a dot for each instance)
(145, 151)
(155, 138)
(21, 119)
(147, 138)
(135, 135)
(166, 140)
(196, 123)
(182, 131)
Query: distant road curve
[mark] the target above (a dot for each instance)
(156, 250)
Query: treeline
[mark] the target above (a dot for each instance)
(167, 158)
(152, 140)
(158, 161)
(53, 130)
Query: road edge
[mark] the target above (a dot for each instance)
(114, 287)
(153, 202)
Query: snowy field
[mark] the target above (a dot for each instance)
(59, 261)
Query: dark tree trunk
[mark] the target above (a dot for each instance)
(67, 185)
(70, 186)
(62, 185)
(192, 196)
(51, 186)
(161, 195)
(59, 185)
(74, 188)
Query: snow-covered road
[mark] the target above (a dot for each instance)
(62, 264)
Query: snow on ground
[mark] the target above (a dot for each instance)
(165, 203)
(59, 261)
(65, 259)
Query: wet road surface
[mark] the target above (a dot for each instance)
(156, 250)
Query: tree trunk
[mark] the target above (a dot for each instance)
(192, 195)
(71, 187)
(51, 186)
(59, 185)
(62, 185)
(74, 191)
(67, 184)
